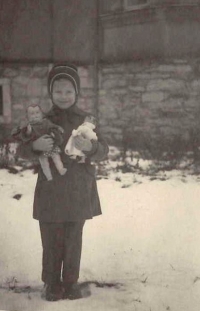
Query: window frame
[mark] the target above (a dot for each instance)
(6, 97)
(136, 6)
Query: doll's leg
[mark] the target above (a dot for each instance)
(44, 162)
(58, 163)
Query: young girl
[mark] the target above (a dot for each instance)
(63, 204)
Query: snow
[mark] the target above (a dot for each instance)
(146, 244)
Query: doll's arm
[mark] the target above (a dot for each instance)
(22, 134)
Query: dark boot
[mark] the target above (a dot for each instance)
(52, 292)
(72, 291)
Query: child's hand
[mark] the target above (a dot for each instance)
(29, 129)
(60, 129)
(44, 143)
(82, 143)
(23, 124)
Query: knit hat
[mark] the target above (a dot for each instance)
(65, 71)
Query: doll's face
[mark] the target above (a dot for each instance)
(34, 114)
(63, 93)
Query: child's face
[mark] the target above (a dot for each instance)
(34, 114)
(63, 93)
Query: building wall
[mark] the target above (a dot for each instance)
(46, 31)
(150, 100)
(65, 30)
(153, 99)
(160, 31)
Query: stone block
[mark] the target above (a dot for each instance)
(86, 82)
(18, 107)
(191, 103)
(114, 68)
(143, 76)
(83, 72)
(153, 97)
(102, 92)
(26, 71)
(108, 112)
(175, 68)
(170, 85)
(112, 130)
(32, 101)
(180, 61)
(113, 83)
(183, 70)
(160, 75)
(195, 85)
(18, 90)
(102, 121)
(87, 92)
(117, 138)
(10, 73)
(19, 102)
(119, 91)
(136, 88)
(135, 67)
(34, 88)
(18, 116)
(40, 72)
(21, 80)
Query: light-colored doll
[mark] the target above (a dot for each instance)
(38, 126)
(85, 130)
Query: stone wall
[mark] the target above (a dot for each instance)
(152, 100)
(28, 84)
(138, 101)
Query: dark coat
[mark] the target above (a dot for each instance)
(74, 196)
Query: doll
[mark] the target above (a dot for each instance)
(85, 130)
(38, 126)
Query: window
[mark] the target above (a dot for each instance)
(117, 6)
(5, 101)
(135, 4)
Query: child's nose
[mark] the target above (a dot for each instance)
(63, 96)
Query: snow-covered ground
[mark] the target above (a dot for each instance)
(146, 244)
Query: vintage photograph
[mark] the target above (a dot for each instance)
(100, 155)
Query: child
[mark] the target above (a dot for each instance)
(64, 204)
(85, 130)
(38, 126)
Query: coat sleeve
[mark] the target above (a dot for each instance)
(20, 134)
(99, 150)
(24, 149)
(56, 130)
